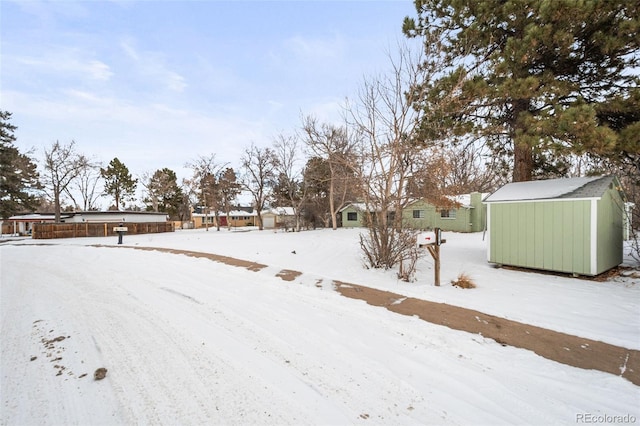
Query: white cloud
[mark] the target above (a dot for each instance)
(144, 136)
(152, 65)
(316, 49)
(129, 50)
(65, 62)
(99, 70)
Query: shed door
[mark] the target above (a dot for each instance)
(269, 221)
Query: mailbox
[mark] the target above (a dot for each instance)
(120, 230)
(425, 238)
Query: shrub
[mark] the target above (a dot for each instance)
(463, 281)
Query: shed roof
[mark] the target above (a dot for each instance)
(579, 187)
(281, 211)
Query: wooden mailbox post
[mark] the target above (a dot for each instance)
(433, 243)
(120, 230)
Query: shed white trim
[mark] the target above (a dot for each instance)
(594, 237)
(543, 200)
(488, 221)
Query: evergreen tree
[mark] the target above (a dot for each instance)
(164, 193)
(536, 79)
(229, 190)
(118, 182)
(18, 175)
(317, 176)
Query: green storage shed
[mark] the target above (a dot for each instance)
(572, 225)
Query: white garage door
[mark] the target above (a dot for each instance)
(269, 222)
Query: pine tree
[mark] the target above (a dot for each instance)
(164, 193)
(537, 79)
(118, 182)
(18, 175)
(229, 190)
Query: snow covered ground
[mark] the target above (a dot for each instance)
(192, 341)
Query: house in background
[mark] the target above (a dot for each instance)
(23, 224)
(114, 216)
(572, 225)
(238, 217)
(279, 217)
(352, 215)
(463, 213)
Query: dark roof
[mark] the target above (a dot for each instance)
(593, 189)
(115, 212)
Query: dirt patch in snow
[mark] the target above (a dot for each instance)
(252, 266)
(288, 274)
(564, 348)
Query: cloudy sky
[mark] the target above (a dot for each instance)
(158, 83)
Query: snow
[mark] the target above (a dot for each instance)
(192, 341)
(465, 199)
(539, 189)
(282, 211)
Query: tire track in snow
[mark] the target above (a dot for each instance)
(561, 347)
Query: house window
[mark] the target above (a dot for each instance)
(448, 214)
(352, 216)
(418, 214)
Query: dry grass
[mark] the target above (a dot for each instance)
(463, 281)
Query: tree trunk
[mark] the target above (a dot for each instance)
(334, 223)
(56, 204)
(522, 163)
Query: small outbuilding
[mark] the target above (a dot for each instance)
(572, 225)
(279, 217)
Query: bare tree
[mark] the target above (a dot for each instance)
(291, 181)
(85, 185)
(206, 171)
(259, 167)
(385, 117)
(438, 171)
(395, 132)
(62, 165)
(337, 147)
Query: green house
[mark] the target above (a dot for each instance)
(465, 213)
(569, 225)
(353, 215)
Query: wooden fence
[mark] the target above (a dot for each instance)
(72, 230)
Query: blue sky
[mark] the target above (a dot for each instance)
(158, 83)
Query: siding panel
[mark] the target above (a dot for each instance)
(538, 241)
(556, 236)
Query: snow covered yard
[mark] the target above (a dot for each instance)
(191, 341)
